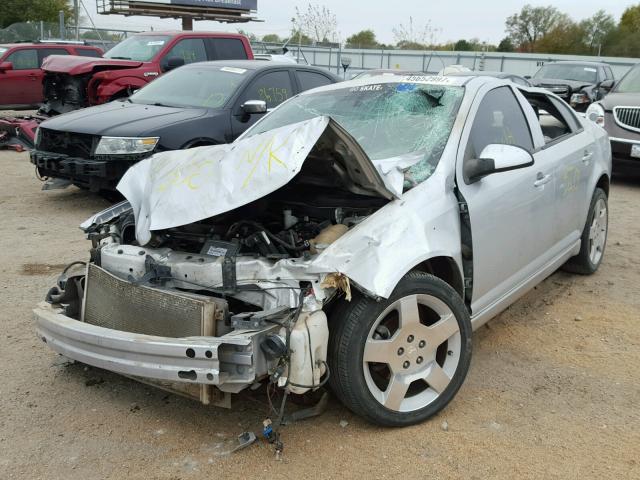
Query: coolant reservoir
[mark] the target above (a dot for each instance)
(304, 355)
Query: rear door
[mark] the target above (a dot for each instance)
(511, 213)
(571, 150)
(23, 84)
(273, 87)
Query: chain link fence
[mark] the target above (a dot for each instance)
(41, 31)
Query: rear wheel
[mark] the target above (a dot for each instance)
(402, 360)
(594, 237)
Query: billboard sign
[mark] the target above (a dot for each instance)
(243, 5)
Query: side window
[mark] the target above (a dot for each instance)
(555, 116)
(190, 50)
(24, 59)
(45, 52)
(499, 120)
(87, 52)
(227, 49)
(309, 80)
(273, 87)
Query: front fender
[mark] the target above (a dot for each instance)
(375, 255)
(107, 89)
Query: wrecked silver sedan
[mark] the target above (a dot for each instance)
(355, 236)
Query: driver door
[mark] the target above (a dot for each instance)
(511, 212)
(273, 87)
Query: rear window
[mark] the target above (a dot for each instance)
(87, 52)
(228, 49)
(3, 50)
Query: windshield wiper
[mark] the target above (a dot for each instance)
(120, 58)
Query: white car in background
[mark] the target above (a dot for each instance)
(354, 236)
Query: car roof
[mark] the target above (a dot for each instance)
(45, 44)
(256, 65)
(577, 62)
(190, 33)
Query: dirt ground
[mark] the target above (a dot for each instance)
(553, 390)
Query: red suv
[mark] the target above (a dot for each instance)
(20, 73)
(75, 82)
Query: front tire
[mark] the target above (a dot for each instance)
(402, 360)
(594, 237)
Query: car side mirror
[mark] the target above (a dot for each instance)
(607, 85)
(251, 107)
(172, 63)
(496, 158)
(4, 66)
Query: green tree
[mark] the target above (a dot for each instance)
(565, 37)
(630, 21)
(16, 11)
(531, 24)
(363, 39)
(463, 46)
(597, 30)
(272, 38)
(506, 45)
(298, 36)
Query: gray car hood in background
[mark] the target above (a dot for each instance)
(177, 188)
(122, 119)
(615, 99)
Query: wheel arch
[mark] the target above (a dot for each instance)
(446, 269)
(604, 183)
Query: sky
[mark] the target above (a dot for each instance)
(452, 21)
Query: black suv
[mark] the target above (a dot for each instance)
(578, 83)
(199, 104)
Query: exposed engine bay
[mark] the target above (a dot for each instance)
(64, 93)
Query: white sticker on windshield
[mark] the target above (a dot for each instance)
(155, 43)
(431, 79)
(239, 71)
(589, 69)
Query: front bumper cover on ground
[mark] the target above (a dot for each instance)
(230, 362)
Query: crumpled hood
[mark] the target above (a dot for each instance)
(77, 65)
(177, 188)
(122, 119)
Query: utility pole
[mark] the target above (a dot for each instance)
(76, 14)
(187, 23)
(61, 21)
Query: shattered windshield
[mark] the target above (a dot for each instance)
(387, 120)
(579, 73)
(141, 48)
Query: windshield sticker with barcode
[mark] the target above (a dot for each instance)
(155, 43)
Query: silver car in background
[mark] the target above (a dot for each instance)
(355, 236)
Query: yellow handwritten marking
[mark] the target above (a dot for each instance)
(269, 158)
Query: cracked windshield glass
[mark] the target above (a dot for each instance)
(388, 120)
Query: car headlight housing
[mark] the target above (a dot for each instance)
(579, 98)
(126, 145)
(595, 113)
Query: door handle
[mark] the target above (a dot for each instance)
(542, 179)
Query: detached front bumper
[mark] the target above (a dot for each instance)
(230, 362)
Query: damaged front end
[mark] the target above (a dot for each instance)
(210, 305)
